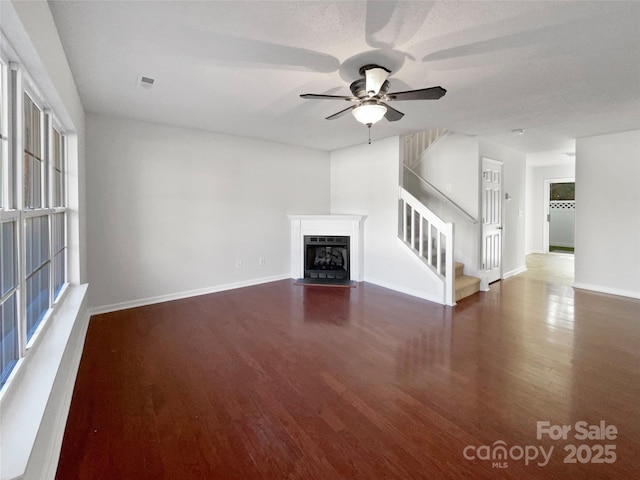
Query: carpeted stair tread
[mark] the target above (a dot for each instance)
(466, 285)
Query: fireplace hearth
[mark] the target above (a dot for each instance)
(326, 258)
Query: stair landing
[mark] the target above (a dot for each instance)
(464, 285)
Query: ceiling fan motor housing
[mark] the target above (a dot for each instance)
(359, 88)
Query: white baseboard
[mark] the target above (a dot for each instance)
(607, 290)
(514, 272)
(180, 295)
(407, 291)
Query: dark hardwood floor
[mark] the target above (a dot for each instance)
(280, 381)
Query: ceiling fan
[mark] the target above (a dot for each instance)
(370, 92)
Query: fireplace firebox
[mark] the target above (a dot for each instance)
(326, 258)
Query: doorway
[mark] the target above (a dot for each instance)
(559, 231)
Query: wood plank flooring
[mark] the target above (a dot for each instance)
(279, 381)
(551, 267)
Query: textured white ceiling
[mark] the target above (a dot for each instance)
(559, 70)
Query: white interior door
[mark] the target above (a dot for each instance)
(491, 219)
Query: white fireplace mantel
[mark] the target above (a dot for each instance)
(351, 226)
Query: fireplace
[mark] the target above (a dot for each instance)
(326, 258)
(341, 237)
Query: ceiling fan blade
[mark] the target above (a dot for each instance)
(314, 96)
(375, 77)
(392, 114)
(433, 93)
(340, 113)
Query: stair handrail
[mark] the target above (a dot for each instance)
(422, 209)
(442, 195)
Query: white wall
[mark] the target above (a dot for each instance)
(451, 165)
(171, 209)
(608, 213)
(514, 184)
(537, 172)
(364, 180)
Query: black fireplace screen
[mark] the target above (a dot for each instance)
(326, 258)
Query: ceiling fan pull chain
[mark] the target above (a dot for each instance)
(369, 125)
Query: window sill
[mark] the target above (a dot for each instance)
(34, 402)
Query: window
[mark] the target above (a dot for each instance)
(33, 216)
(9, 343)
(59, 219)
(33, 160)
(7, 170)
(59, 253)
(9, 221)
(57, 177)
(37, 272)
(3, 133)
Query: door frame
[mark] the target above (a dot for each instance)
(545, 208)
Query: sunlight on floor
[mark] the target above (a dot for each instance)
(551, 267)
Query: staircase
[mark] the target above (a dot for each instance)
(464, 285)
(427, 235)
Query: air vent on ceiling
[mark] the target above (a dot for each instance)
(145, 82)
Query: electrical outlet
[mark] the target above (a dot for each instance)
(238, 263)
(261, 261)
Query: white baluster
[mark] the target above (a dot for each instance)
(413, 229)
(404, 220)
(421, 237)
(429, 245)
(439, 252)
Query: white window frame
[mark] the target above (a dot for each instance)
(44, 151)
(10, 213)
(13, 209)
(4, 132)
(55, 125)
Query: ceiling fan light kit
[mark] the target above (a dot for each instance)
(370, 93)
(368, 114)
